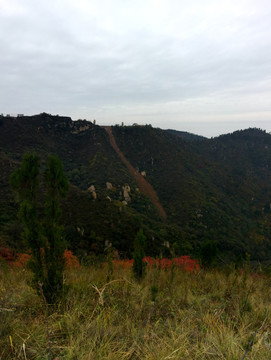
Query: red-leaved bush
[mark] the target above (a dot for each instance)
(183, 262)
(71, 260)
(22, 259)
(6, 254)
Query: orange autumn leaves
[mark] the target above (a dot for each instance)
(21, 260)
(71, 261)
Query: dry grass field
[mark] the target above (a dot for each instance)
(171, 314)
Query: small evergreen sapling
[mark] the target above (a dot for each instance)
(208, 253)
(139, 266)
(44, 236)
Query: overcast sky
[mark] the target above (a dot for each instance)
(202, 66)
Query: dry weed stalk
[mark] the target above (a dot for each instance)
(102, 289)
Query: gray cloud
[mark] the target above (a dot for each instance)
(160, 62)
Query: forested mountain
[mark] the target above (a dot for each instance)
(210, 189)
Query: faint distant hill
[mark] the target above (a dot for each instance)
(211, 189)
(184, 135)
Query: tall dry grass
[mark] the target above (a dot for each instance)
(208, 315)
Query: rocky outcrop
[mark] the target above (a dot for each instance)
(109, 186)
(126, 191)
(81, 129)
(91, 189)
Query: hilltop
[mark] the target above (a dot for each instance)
(210, 189)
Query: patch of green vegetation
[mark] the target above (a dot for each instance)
(211, 189)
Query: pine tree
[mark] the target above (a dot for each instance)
(25, 183)
(208, 253)
(44, 236)
(57, 186)
(139, 266)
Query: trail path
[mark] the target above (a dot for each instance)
(143, 184)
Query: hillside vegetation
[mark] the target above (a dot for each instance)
(211, 189)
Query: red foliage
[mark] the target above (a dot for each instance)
(71, 260)
(184, 262)
(125, 264)
(22, 260)
(6, 254)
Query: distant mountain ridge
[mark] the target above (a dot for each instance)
(186, 135)
(211, 189)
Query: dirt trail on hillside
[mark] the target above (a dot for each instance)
(143, 184)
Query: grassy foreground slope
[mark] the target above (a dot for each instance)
(180, 315)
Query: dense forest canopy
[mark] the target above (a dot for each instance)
(215, 189)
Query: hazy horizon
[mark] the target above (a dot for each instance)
(207, 129)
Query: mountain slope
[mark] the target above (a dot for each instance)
(204, 196)
(143, 184)
(211, 189)
(89, 160)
